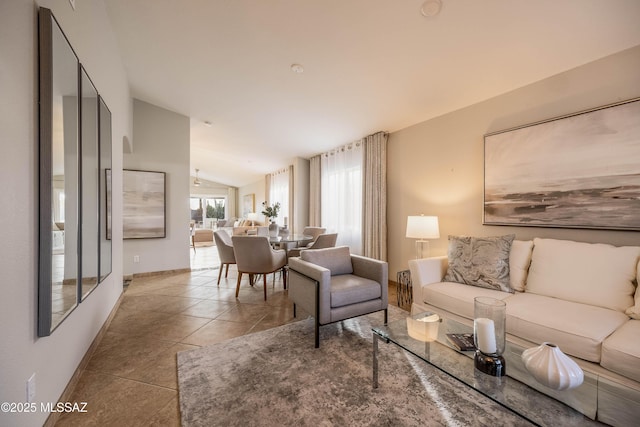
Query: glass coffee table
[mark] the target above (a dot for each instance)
(527, 402)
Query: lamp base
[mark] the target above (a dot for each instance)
(422, 249)
(490, 364)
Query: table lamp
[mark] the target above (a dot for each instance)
(422, 228)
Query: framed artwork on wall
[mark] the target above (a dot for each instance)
(144, 204)
(576, 171)
(248, 204)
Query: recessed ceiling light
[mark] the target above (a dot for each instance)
(207, 123)
(431, 8)
(297, 68)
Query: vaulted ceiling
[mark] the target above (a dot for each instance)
(369, 65)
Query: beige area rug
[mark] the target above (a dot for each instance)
(277, 378)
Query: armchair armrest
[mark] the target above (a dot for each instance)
(371, 269)
(310, 288)
(375, 270)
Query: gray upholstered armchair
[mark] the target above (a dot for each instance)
(334, 285)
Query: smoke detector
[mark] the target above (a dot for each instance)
(431, 8)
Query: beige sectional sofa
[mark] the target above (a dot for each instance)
(583, 297)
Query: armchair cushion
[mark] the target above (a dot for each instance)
(348, 289)
(337, 260)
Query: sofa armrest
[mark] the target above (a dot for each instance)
(425, 271)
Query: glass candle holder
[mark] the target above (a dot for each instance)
(489, 334)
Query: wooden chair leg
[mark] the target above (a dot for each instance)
(294, 309)
(226, 271)
(284, 277)
(264, 279)
(220, 273)
(238, 283)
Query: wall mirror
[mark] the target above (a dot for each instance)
(70, 248)
(57, 293)
(105, 189)
(89, 184)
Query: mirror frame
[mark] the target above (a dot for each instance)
(45, 325)
(89, 172)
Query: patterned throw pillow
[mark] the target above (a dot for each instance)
(480, 261)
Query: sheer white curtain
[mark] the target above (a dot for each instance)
(341, 207)
(279, 192)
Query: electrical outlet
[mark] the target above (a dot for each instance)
(31, 388)
(136, 258)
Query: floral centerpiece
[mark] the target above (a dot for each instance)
(271, 212)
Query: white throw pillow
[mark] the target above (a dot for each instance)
(634, 311)
(519, 262)
(590, 273)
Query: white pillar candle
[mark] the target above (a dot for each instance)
(485, 335)
(286, 221)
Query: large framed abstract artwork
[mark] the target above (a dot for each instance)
(576, 171)
(143, 209)
(248, 204)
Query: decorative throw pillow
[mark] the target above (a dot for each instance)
(337, 259)
(480, 261)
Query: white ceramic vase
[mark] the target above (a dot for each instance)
(274, 228)
(552, 368)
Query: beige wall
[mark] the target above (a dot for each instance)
(161, 144)
(436, 167)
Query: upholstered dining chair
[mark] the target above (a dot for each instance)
(314, 232)
(327, 240)
(225, 251)
(333, 285)
(254, 255)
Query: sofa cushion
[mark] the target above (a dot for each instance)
(457, 298)
(349, 289)
(519, 262)
(634, 310)
(588, 273)
(621, 351)
(337, 259)
(578, 329)
(480, 261)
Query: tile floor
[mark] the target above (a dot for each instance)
(131, 379)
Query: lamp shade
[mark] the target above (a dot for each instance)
(423, 227)
(252, 216)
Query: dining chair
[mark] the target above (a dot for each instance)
(225, 251)
(323, 241)
(254, 255)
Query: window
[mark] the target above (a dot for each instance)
(207, 210)
(279, 193)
